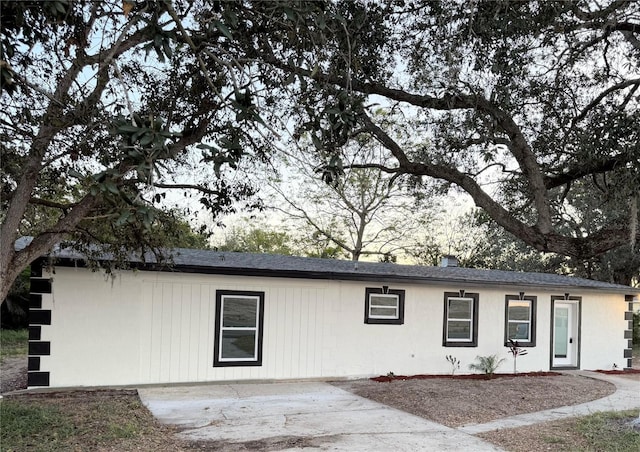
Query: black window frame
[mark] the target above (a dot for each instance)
(474, 320)
(400, 293)
(532, 322)
(217, 362)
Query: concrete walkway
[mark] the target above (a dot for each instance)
(319, 416)
(626, 397)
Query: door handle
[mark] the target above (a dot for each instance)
(571, 340)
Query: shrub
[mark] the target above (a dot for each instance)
(486, 364)
(455, 363)
(516, 350)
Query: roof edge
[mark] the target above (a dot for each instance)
(333, 276)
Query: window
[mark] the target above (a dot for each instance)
(239, 319)
(460, 319)
(384, 305)
(520, 320)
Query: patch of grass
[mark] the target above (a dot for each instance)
(32, 427)
(81, 420)
(14, 343)
(553, 439)
(610, 431)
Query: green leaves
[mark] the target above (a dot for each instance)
(161, 44)
(223, 29)
(7, 75)
(143, 138)
(332, 171)
(230, 154)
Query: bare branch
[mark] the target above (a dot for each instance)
(52, 204)
(602, 95)
(199, 188)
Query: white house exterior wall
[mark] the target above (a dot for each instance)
(158, 327)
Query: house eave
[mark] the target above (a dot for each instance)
(344, 276)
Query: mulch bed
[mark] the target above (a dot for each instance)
(619, 372)
(389, 378)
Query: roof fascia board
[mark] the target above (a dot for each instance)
(339, 276)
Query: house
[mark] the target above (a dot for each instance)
(216, 316)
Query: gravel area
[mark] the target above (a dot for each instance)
(13, 374)
(455, 402)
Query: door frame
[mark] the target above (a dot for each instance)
(577, 324)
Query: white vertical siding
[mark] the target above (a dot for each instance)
(95, 329)
(149, 327)
(602, 328)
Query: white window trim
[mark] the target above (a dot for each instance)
(386, 317)
(231, 328)
(470, 320)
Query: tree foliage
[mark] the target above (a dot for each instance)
(523, 103)
(525, 106)
(258, 238)
(104, 104)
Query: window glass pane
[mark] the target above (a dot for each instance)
(386, 312)
(239, 312)
(377, 300)
(238, 344)
(518, 331)
(459, 308)
(458, 330)
(519, 310)
(561, 332)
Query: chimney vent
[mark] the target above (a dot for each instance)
(449, 261)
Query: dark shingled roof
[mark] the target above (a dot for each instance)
(216, 262)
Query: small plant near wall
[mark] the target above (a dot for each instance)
(486, 364)
(516, 350)
(455, 363)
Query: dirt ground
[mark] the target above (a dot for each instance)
(13, 374)
(455, 402)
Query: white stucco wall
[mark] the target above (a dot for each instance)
(150, 327)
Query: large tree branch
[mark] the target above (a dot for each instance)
(581, 247)
(519, 147)
(52, 204)
(581, 170)
(480, 197)
(199, 188)
(51, 126)
(40, 245)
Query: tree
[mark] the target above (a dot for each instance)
(521, 101)
(254, 238)
(364, 212)
(515, 103)
(103, 104)
(450, 234)
(171, 232)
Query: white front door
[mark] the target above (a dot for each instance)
(565, 334)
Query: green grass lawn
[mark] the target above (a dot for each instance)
(610, 431)
(82, 420)
(14, 343)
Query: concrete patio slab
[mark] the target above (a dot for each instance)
(335, 419)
